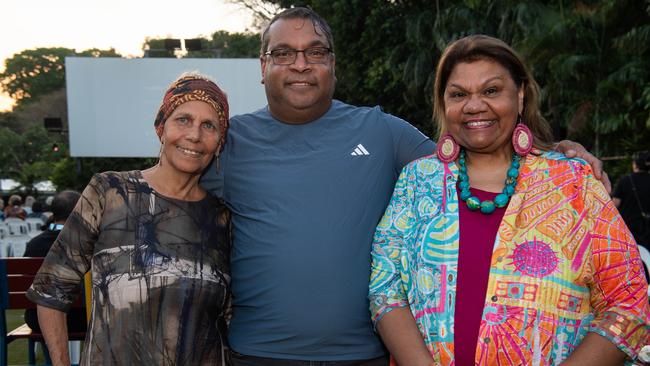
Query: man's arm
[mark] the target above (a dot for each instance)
(55, 331)
(595, 350)
(573, 149)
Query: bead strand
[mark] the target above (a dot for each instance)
(501, 200)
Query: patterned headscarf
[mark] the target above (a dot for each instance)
(194, 87)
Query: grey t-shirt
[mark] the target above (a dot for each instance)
(305, 201)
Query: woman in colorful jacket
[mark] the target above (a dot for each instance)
(490, 255)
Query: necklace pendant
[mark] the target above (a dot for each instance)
(473, 203)
(487, 207)
(501, 200)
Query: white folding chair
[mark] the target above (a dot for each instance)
(34, 225)
(4, 230)
(17, 228)
(15, 243)
(13, 219)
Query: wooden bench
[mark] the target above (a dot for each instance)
(16, 275)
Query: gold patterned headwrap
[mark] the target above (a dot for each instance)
(194, 88)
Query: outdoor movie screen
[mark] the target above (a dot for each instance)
(112, 102)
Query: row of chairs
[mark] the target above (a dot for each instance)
(18, 227)
(15, 233)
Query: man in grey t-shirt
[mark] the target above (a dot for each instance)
(307, 179)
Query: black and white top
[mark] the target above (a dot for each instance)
(160, 273)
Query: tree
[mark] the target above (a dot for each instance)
(32, 73)
(27, 157)
(590, 58)
(69, 173)
(37, 72)
(262, 10)
(594, 69)
(236, 45)
(53, 104)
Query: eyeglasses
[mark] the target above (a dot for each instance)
(287, 56)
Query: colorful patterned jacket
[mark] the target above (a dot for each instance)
(563, 264)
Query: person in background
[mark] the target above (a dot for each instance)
(38, 212)
(2, 209)
(13, 208)
(27, 206)
(307, 178)
(632, 198)
(48, 203)
(62, 205)
(490, 255)
(157, 246)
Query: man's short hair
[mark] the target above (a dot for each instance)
(642, 160)
(63, 204)
(300, 13)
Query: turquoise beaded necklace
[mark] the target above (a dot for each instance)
(501, 200)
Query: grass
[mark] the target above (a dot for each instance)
(17, 350)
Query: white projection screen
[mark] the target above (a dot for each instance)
(112, 102)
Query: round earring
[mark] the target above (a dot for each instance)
(447, 149)
(522, 138)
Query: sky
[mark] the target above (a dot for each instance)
(120, 24)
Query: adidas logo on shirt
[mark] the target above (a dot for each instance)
(359, 151)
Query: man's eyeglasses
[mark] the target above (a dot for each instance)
(287, 56)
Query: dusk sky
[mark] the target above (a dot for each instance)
(121, 24)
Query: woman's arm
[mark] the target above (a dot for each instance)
(403, 339)
(55, 331)
(387, 291)
(595, 350)
(618, 288)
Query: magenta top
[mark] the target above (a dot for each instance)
(477, 235)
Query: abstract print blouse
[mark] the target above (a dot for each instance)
(160, 273)
(563, 265)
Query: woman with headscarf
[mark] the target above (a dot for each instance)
(490, 255)
(157, 246)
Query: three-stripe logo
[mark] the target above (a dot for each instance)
(359, 151)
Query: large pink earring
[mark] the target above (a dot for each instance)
(447, 149)
(522, 138)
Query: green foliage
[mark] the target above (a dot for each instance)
(64, 175)
(236, 45)
(75, 173)
(33, 73)
(591, 58)
(27, 157)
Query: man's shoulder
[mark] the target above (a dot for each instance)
(257, 115)
(371, 116)
(342, 107)
(39, 245)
